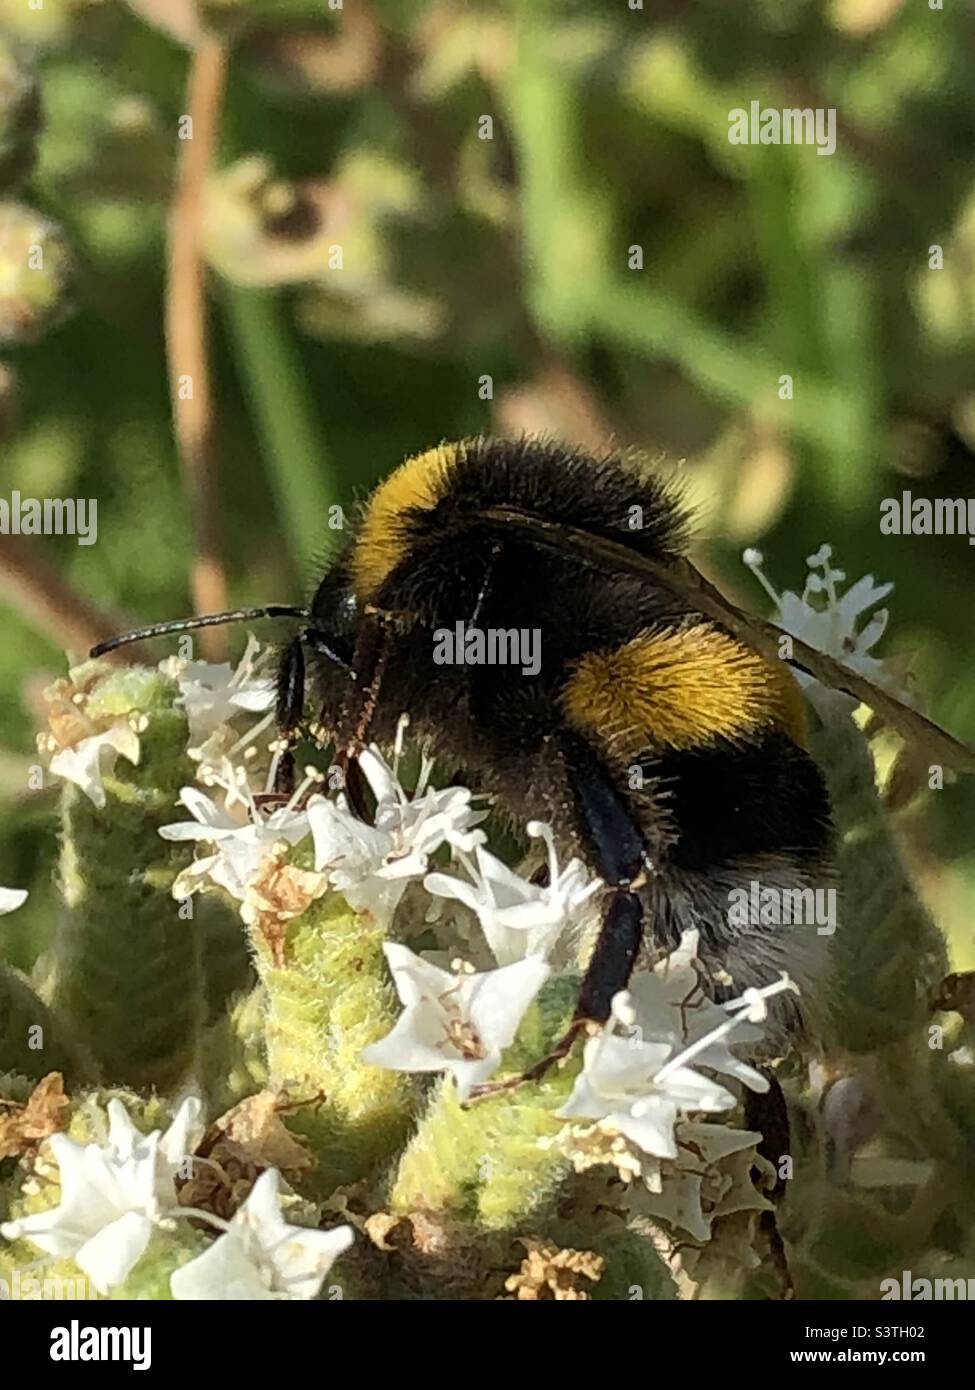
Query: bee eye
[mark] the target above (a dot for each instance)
(335, 609)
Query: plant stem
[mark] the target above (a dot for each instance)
(304, 478)
(190, 386)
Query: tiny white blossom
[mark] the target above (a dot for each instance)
(11, 899)
(700, 1146)
(459, 1023)
(112, 1195)
(240, 846)
(520, 918)
(88, 760)
(214, 692)
(261, 1256)
(358, 859)
(624, 1083)
(829, 621)
(372, 864)
(426, 819)
(667, 1005)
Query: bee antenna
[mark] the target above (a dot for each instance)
(236, 615)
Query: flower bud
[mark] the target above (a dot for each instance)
(35, 274)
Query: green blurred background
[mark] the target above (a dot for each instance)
(464, 258)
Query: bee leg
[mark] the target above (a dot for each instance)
(290, 711)
(367, 670)
(357, 790)
(766, 1112)
(353, 780)
(620, 855)
(613, 958)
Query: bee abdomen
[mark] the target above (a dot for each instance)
(681, 687)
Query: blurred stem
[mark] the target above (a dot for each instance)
(303, 476)
(793, 323)
(562, 221)
(186, 340)
(45, 599)
(654, 324)
(568, 244)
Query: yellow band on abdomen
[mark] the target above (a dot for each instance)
(680, 688)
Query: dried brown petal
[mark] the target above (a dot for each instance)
(550, 1272)
(22, 1127)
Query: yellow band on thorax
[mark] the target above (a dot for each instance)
(418, 485)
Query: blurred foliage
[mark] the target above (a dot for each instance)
(462, 258)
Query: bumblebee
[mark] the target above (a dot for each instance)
(657, 731)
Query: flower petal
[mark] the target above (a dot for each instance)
(223, 1272)
(11, 899)
(111, 1253)
(497, 999)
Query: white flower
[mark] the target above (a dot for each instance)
(459, 1023)
(11, 899)
(213, 693)
(260, 1256)
(372, 864)
(88, 760)
(637, 1091)
(353, 855)
(112, 1195)
(828, 622)
(520, 918)
(667, 1005)
(426, 819)
(240, 846)
(639, 1085)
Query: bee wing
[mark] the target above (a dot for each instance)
(681, 578)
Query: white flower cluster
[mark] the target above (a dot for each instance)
(830, 621)
(213, 694)
(647, 1078)
(113, 1196)
(640, 1090)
